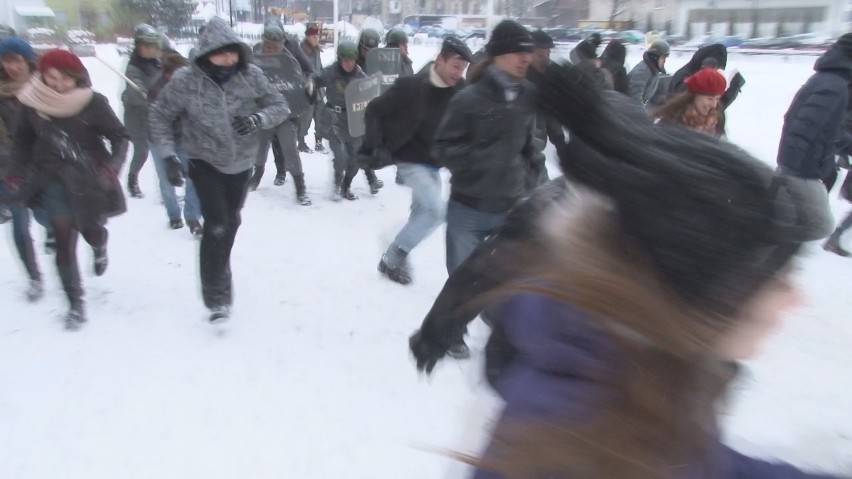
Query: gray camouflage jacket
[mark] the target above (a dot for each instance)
(206, 109)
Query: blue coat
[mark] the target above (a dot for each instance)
(567, 369)
(814, 126)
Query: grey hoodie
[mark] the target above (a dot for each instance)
(206, 109)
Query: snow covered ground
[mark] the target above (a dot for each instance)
(312, 377)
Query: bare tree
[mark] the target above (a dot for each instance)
(618, 7)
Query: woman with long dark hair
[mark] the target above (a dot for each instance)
(65, 167)
(698, 107)
(634, 308)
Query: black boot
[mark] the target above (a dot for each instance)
(301, 193)
(832, 244)
(394, 265)
(318, 146)
(303, 147)
(101, 260)
(375, 183)
(195, 228)
(76, 315)
(176, 224)
(280, 178)
(345, 188)
(133, 186)
(254, 182)
(338, 186)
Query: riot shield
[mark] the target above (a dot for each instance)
(358, 94)
(284, 73)
(388, 62)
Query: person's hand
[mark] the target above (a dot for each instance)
(426, 352)
(246, 125)
(173, 170)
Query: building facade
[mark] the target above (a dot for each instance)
(762, 18)
(642, 15)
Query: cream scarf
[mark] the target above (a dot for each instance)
(49, 102)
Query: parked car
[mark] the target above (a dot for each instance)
(631, 36)
(125, 45)
(81, 42)
(42, 39)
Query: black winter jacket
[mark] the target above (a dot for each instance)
(720, 53)
(393, 119)
(487, 144)
(814, 126)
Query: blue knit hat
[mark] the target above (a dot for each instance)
(19, 46)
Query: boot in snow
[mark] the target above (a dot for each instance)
(301, 193)
(254, 182)
(133, 187)
(176, 224)
(318, 147)
(219, 314)
(347, 194)
(303, 147)
(375, 183)
(337, 187)
(35, 290)
(394, 265)
(195, 228)
(832, 244)
(101, 260)
(76, 317)
(280, 178)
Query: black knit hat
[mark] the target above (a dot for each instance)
(542, 39)
(509, 37)
(714, 223)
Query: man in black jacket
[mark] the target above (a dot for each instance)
(400, 125)
(814, 127)
(486, 141)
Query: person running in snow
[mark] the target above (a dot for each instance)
(18, 61)
(644, 78)
(312, 49)
(699, 107)
(172, 61)
(486, 141)
(64, 166)
(283, 136)
(814, 127)
(143, 70)
(401, 126)
(626, 340)
(222, 101)
(344, 146)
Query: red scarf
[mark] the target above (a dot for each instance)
(704, 123)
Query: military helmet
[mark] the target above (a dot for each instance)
(347, 49)
(396, 37)
(369, 38)
(144, 33)
(660, 47)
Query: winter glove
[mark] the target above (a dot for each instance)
(246, 125)
(426, 352)
(737, 81)
(173, 170)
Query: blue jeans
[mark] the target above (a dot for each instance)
(427, 206)
(466, 229)
(21, 232)
(191, 210)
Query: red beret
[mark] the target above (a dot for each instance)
(61, 60)
(312, 31)
(707, 81)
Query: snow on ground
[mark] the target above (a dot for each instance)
(312, 378)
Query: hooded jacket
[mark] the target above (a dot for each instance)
(644, 79)
(716, 50)
(814, 126)
(612, 61)
(206, 109)
(144, 73)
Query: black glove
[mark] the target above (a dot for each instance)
(246, 125)
(173, 170)
(737, 81)
(426, 352)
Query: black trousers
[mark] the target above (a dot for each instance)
(222, 197)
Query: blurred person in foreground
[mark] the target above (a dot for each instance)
(628, 319)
